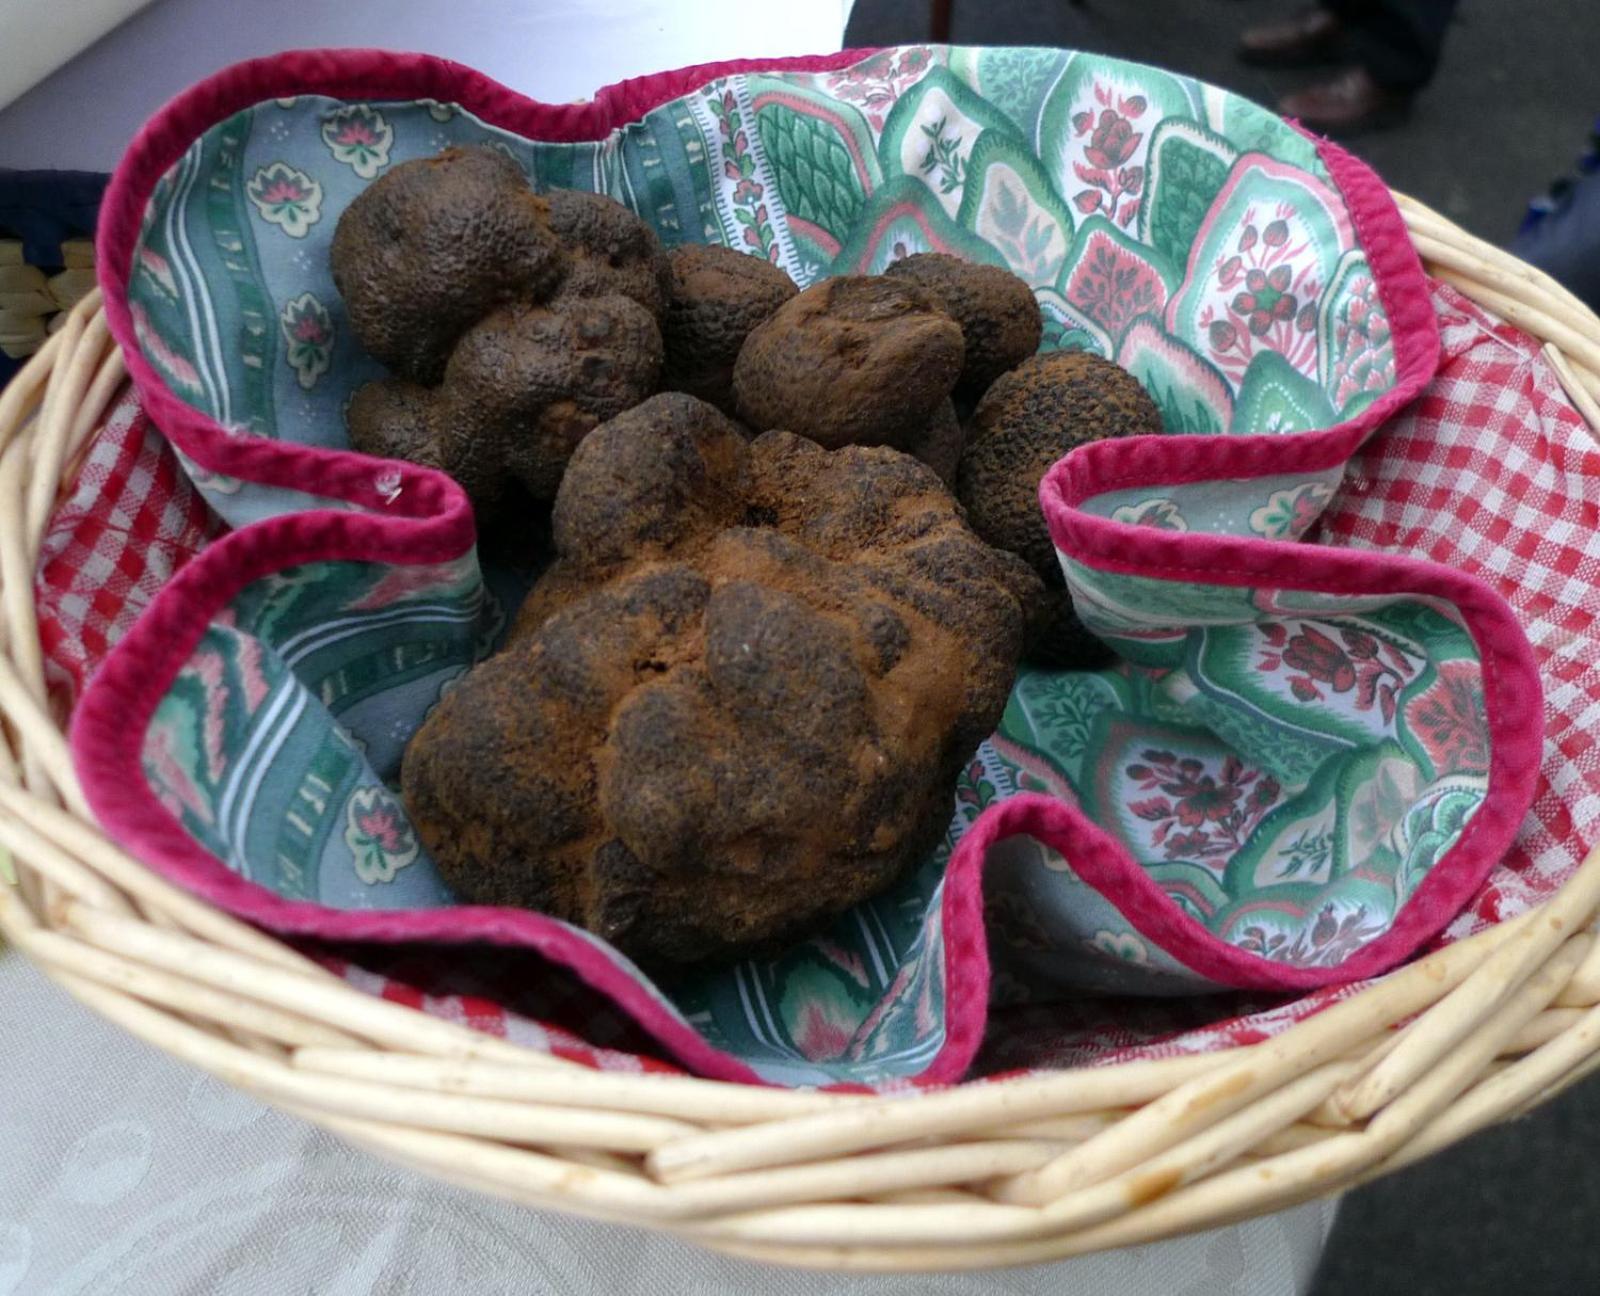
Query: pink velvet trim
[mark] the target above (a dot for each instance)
(1513, 701)
(430, 522)
(354, 74)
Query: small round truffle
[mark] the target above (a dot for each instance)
(395, 419)
(716, 298)
(523, 388)
(1029, 419)
(528, 383)
(859, 360)
(736, 704)
(435, 244)
(611, 250)
(999, 318)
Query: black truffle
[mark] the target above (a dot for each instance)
(737, 703)
(999, 318)
(1030, 418)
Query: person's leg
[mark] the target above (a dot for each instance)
(1398, 41)
(1312, 35)
(1394, 46)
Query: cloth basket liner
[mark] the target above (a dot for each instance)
(1304, 764)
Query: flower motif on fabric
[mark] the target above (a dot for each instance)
(1110, 142)
(748, 194)
(359, 137)
(1328, 940)
(1289, 513)
(1272, 279)
(308, 333)
(287, 198)
(1361, 340)
(1161, 514)
(1113, 285)
(1121, 947)
(1358, 663)
(1307, 855)
(1200, 815)
(378, 835)
(875, 83)
(1031, 242)
(974, 791)
(1450, 721)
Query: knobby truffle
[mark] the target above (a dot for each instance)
(433, 246)
(514, 323)
(737, 703)
(716, 298)
(999, 318)
(857, 360)
(1030, 418)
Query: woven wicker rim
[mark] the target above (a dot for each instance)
(978, 1175)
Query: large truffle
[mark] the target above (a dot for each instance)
(999, 318)
(717, 296)
(515, 323)
(858, 360)
(1030, 418)
(738, 702)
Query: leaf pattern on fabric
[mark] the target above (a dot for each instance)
(287, 198)
(1204, 250)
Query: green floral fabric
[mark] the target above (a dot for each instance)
(1287, 767)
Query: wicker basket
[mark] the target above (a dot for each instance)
(978, 1175)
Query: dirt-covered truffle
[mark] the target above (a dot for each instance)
(737, 703)
(515, 323)
(999, 318)
(858, 360)
(522, 388)
(717, 296)
(610, 250)
(1030, 418)
(432, 246)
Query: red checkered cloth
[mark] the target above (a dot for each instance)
(1492, 470)
(131, 521)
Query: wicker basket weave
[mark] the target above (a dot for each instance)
(978, 1175)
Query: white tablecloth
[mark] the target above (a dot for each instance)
(125, 1173)
(83, 116)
